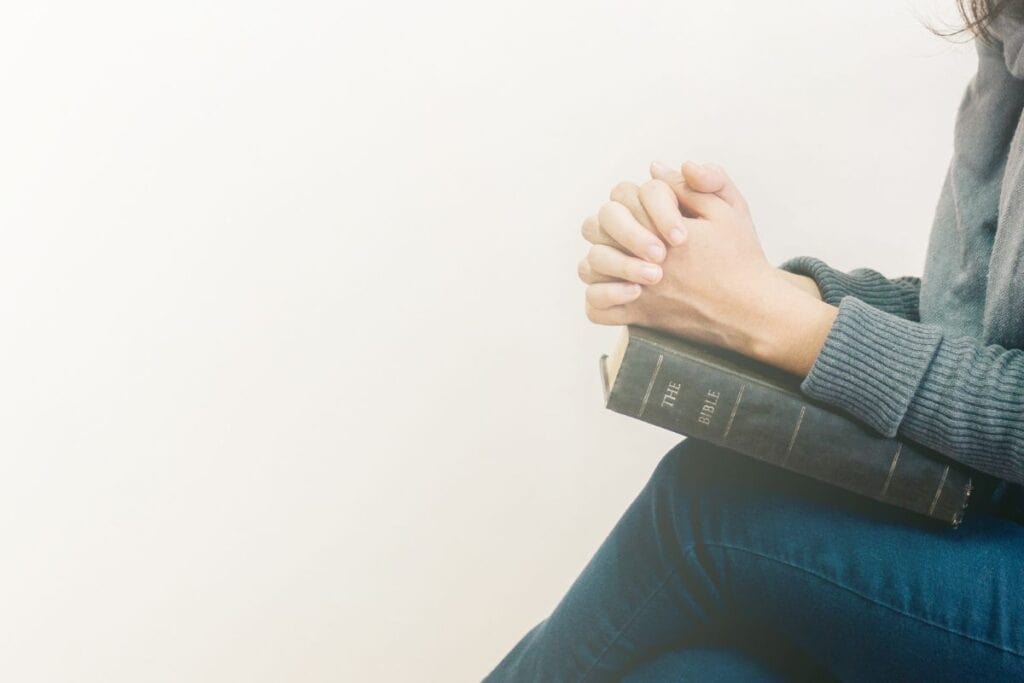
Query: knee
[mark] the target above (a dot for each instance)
(697, 480)
(689, 462)
(683, 500)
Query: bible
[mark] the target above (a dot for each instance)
(714, 394)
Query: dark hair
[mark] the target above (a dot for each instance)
(978, 15)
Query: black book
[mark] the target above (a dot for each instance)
(706, 392)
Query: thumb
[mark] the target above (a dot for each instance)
(713, 178)
(696, 202)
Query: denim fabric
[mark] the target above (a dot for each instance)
(725, 568)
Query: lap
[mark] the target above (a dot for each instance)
(720, 665)
(832, 569)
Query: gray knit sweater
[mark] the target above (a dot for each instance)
(940, 359)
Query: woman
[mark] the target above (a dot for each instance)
(725, 568)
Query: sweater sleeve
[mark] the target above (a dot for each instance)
(898, 296)
(951, 393)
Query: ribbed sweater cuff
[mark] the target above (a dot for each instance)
(970, 404)
(872, 363)
(898, 295)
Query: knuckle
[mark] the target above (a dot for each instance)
(589, 228)
(651, 185)
(623, 190)
(605, 259)
(645, 195)
(654, 188)
(608, 209)
(583, 270)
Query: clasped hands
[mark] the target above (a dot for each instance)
(680, 253)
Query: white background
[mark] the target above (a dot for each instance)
(295, 380)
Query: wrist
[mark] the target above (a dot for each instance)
(790, 329)
(804, 283)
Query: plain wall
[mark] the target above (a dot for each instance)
(295, 379)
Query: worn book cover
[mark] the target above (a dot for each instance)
(710, 393)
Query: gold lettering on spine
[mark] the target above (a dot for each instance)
(707, 409)
(671, 394)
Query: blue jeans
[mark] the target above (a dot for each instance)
(725, 568)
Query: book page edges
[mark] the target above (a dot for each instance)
(611, 363)
(603, 362)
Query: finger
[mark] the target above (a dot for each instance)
(608, 294)
(662, 206)
(701, 179)
(693, 202)
(588, 275)
(628, 194)
(616, 315)
(713, 178)
(612, 263)
(594, 233)
(619, 224)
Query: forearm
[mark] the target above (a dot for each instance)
(899, 296)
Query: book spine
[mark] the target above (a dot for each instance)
(692, 398)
